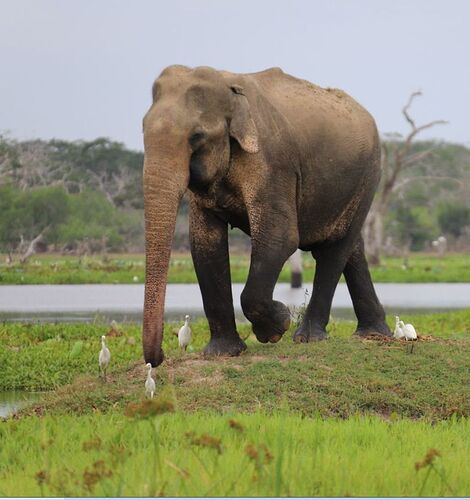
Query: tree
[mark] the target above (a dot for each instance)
(102, 165)
(27, 215)
(453, 218)
(8, 159)
(397, 156)
(414, 227)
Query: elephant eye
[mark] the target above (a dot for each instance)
(197, 139)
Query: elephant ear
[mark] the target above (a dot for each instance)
(242, 126)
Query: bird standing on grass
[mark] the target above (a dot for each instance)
(105, 357)
(149, 383)
(184, 334)
(398, 333)
(409, 331)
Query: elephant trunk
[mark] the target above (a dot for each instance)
(166, 177)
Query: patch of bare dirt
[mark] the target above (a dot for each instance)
(421, 338)
(379, 339)
(137, 371)
(114, 332)
(255, 358)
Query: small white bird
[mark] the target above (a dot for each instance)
(184, 334)
(105, 356)
(398, 333)
(408, 331)
(149, 383)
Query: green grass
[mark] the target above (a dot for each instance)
(341, 417)
(340, 377)
(202, 455)
(422, 268)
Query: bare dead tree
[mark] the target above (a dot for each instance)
(37, 245)
(397, 157)
(33, 158)
(9, 258)
(112, 186)
(6, 160)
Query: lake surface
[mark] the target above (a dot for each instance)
(85, 302)
(11, 401)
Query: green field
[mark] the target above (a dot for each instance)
(341, 417)
(56, 269)
(205, 455)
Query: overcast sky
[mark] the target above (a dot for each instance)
(79, 69)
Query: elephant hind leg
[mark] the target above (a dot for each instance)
(370, 313)
(330, 262)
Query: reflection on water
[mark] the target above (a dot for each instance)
(93, 316)
(12, 401)
(133, 317)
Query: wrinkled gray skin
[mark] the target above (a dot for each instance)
(291, 164)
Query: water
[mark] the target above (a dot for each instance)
(12, 401)
(72, 303)
(108, 316)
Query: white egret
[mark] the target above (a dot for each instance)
(408, 331)
(398, 333)
(104, 357)
(184, 334)
(149, 383)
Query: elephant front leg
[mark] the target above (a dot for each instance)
(270, 319)
(209, 250)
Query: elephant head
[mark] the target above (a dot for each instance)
(196, 117)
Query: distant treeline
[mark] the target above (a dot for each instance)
(432, 198)
(87, 196)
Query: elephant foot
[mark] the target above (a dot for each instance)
(304, 334)
(225, 346)
(271, 327)
(380, 329)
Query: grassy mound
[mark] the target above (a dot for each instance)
(340, 377)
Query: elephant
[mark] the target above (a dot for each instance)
(292, 164)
